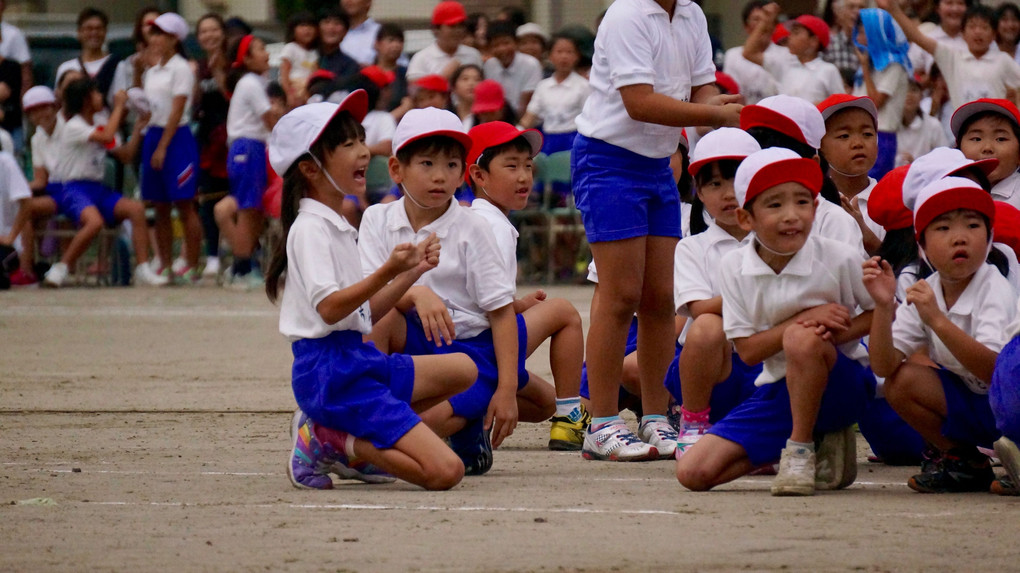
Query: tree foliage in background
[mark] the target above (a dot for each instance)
(287, 8)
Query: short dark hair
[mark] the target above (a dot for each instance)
(518, 143)
(431, 144)
(335, 13)
(1008, 7)
(751, 6)
(389, 30)
(76, 94)
(90, 12)
(979, 12)
(499, 29)
(983, 115)
(302, 18)
(561, 36)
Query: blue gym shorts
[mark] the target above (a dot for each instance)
(178, 180)
(76, 196)
(345, 384)
(762, 423)
(970, 419)
(726, 395)
(1004, 394)
(472, 403)
(621, 194)
(890, 436)
(246, 170)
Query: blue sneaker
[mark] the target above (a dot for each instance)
(473, 446)
(309, 463)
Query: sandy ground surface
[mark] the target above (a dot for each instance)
(156, 423)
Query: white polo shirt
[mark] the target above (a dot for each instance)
(755, 82)
(471, 277)
(559, 103)
(504, 233)
(637, 43)
(833, 222)
(521, 76)
(431, 60)
(1008, 190)
(359, 42)
(13, 188)
(984, 311)
(164, 82)
(74, 157)
(43, 149)
(862, 204)
(813, 81)
(322, 258)
(379, 126)
(922, 135)
(969, 78)
(755, 298)
(13, 44)
(249, 102)
(91, 68)
(893, 82)
(696, 268)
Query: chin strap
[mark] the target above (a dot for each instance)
(419, 205)
(773, 251)
(328, 176)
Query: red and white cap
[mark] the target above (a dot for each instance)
(433, 82)
(948, 194)
(885, 204)
(970, 109)
(173, 24)
(816, 26)
(789, 115)
(780, 33)
(496, 133)
(838, 102)
(429, 122)
(488, 97)
(448, 13)
(296, 132)
(720, 144)
(37, 96)
(936, 164)
(1007, 225)
(767, 168)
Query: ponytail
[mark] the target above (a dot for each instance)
(294, 185)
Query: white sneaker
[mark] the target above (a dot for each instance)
(56, 276)
(616, 443)
(212, 267)
(1009, 455)
(689, 434)
(180, 265)
(145, 276)
(836, 459)
(661, 435)
(796, 473)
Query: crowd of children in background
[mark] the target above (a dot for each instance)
(810, 254)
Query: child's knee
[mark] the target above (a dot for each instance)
(694, 476)
(800, 342)
(446, 473)
(567, 313)
(706, 330)
(467, 371)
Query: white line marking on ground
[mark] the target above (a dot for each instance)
(381, 507)
(136, 312)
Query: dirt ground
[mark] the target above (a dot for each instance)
(153, 424)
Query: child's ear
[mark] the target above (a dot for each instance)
(308, 169)
(396, 173)
(477, 173)
(745, 219)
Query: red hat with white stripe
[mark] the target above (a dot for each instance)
(968, 110)
(767, 168)
(936, 164)
(720, 144)
(788, 115)
(949, 194)
(838, 102)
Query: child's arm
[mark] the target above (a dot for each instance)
(835, 318)
(910, 29)
(880, 283)
(176, 112)
(502, 414)
(869, 81)
(426, 255)
(973, 355)
(285, 83)
(760, 38)
(108, 134)
(435, 317)
(644, 104)
(700, 307)
(20, 220)
(127, 152)
(523, 304)
(40, 178)
(529, 120)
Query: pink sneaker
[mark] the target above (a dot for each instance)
(23, 279)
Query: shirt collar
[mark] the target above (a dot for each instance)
(652, 8)
(964, 305)
(480, 204)
(313, 207)
(441, 226)
(716, 234)
(799, 265)
(1005, 189)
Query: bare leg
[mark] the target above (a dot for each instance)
(192, 230)
(91, 222)
(915, 392)
(558, 320)
(704, 362)
(135, 212)
(656, 339)
(711, 462)
(164, 233)
(809, 359)
(536, 402)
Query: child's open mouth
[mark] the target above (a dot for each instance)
(960, 255)
(359, 174)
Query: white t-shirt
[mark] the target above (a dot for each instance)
(91, 68)
(470, 278)
(755, 82)
(862, 205)
(247, 105)
(13, 188)
(359, 42)
(13, 44)
(302, 62)
(44, 149)
(322, 258)
(984, 311)
(164, 82)
(833, 222)
(755, 298)
(813, 81)
(893, 82)
(521, 76)
(1008, 190)
(922, 135)
(559, 103)
(431, 60)
(504, 233)
(75, 158)
(379, 126)
(969, 78)
(637, 43)
(696, 268)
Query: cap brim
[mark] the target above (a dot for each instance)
(985, 165)
(695, 167)
(356, 104)
(798, 170)
(860, 103)
(969, 110)
(761, 116)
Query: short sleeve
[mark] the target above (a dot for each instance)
(996, 313)
(371, 239)
(310, 258)
(19, 51)
(945, 57)
(703, 68)
(834, 84)
(908, 331)
(38, 152)
(255, 95)
(737, 321)
(76, 131)
(292, 53)
(1011, 71)
(628, 49)
(536, 106)
(891, 80)
(487, 277)
(416, 67)
(689, 281)
(530, 81)
(17, 186)
(184, 81)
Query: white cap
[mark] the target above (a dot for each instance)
(767, 168)
(138, 101)
(949, 194)
(37, 96)
(722, 143)
(532, 29)
(419, 123)
(790, 115)
(172, 24)
(295, 133)
(936, 164)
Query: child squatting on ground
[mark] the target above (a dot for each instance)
(358, 407)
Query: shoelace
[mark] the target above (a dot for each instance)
(621, 433)
(796, 464)
(663, 430)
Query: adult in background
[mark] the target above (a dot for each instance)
(362, 31)
(94, 60)
(841, 21)
(517, 72)
(448, 52)
(14, 46)
(333, 27)
(1007, 29)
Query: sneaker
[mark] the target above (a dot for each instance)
(1009, 455)
(931, 457)
(836, 459)
(189, 276)
(56, 276)
(566, 435)
(212, 267)
(616, 443)
(1004, 486)
(145, 277)
(180, 265)
(23, 279)
(796, 473)
(959, 471)
(690, 431)
(661, 435)
(309, 462)
(472, 444)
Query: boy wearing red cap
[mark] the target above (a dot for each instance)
(430, 91)
(800, 71)
(755, 82)
(991, 128)
(788, 300)
(448, 52)
(500, 170)
(960, 314)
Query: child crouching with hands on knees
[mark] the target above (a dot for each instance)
(960, 313)
(788, 300)
(357, 407)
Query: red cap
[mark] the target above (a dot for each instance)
(488, 97)
(378, 76)
(321, 75)
(435, 82)
(726, 83)
(816, 26)
(970, 109)
(448, 13)
(767, 168)
(885, 204)
(839, 102)
(780, 33)
(496, 133)
(1007, 225)
(949, 194)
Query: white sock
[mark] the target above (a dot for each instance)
(569, 408)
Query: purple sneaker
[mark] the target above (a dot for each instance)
(309, 462)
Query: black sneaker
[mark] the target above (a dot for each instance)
(473, 446)
(960, 470)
